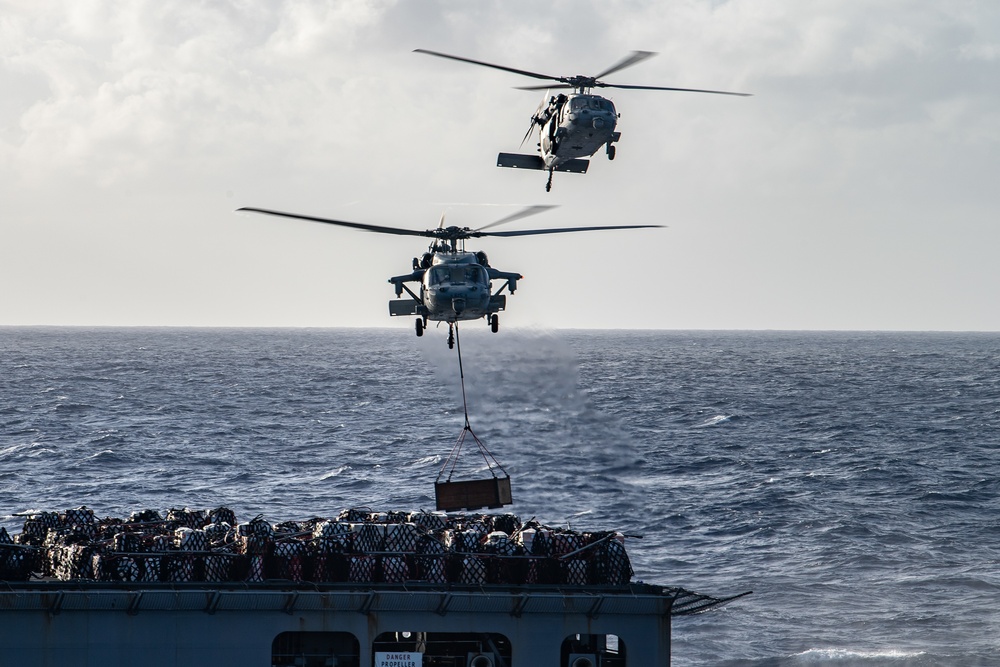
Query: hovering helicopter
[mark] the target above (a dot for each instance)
(574, 126)
(455, 284)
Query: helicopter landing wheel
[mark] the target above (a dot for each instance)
(420, 328)
(451, 337)
(611, 152)
(494, 323)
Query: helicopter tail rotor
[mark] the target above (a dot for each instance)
(528, 133)
(536, 118)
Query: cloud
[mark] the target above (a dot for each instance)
(870, 125)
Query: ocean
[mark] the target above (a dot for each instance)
(851, 480)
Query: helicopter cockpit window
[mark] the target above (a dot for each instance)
(467, 274)
(457, 274)
(579, 103)
(439, 274)
(595, 103)
(475, 274)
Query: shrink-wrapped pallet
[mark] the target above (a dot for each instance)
(222, 515)
(190, 539)
(473, 571)
(573, 571)
(186, 518)
(395, 569)
(287, 558)
(369, 537)
(361, 569)
(429, 521)
(401, 537)
(464, 549)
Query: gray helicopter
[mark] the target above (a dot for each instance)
(454, 284)
(574, 126)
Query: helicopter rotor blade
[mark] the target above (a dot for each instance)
(633, 58)
(356, 225)
(523, 213)
(532, 232)
(550, 87)
(683, 90)
(534, 75)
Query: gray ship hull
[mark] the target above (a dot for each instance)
(55, 623)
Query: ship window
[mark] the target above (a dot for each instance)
(593, 650)
(315, 649)
(446, 649)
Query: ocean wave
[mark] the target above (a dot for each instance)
(714, 421)
(13, 449)
(104, 454)
(430, 460)
(334, 473)
(845, 656)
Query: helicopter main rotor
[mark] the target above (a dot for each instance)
(579, 82)
(452, 233)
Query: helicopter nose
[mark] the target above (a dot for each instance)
(598, 123)
(458, 305)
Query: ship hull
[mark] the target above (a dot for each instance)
(53, 624)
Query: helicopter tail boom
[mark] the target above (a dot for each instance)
(519, 161)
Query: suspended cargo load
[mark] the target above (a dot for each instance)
(473, 494)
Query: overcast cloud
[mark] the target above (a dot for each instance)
(855, 190)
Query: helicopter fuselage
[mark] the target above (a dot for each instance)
(454, 286)
(576, 126)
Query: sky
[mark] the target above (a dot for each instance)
(856, 190)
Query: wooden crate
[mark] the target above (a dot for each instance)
(473, 494)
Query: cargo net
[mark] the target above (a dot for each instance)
(357, 546)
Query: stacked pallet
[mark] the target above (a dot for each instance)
(358, 546)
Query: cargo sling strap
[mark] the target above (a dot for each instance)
(491, 462)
